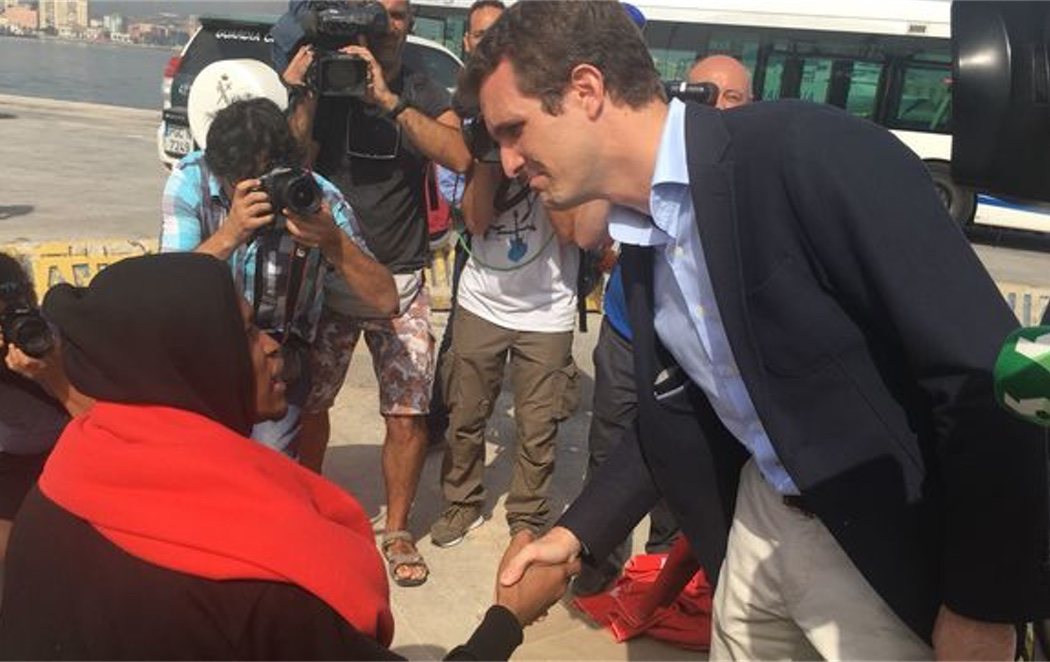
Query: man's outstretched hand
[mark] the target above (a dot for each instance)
(535, 573)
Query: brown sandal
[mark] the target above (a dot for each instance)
(396, 561)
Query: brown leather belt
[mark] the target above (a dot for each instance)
(796, 503)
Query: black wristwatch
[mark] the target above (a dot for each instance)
(398, 108)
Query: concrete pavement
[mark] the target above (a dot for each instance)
(433, 618)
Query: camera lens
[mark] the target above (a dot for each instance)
(303, 195)
(32, 335)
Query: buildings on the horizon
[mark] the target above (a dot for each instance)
(69, 16)
(71, 19)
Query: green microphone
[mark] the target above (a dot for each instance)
(1022, 374)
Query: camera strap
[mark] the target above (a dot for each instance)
(280, 275)
(297, 263)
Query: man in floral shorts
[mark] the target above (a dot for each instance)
(402, 349)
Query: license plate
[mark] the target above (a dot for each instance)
(177, 140)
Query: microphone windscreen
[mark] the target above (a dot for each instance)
(1022, 374)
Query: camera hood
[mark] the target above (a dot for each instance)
(334, 25)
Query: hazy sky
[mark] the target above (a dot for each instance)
(187, 7)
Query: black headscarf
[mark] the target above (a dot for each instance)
(159, 330)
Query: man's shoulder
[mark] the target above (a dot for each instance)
(188, 176)
(194, 161)
(792, 119)
(329, 189)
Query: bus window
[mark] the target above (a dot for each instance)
(674, 46)
(739, 44)
(816, 77)
(863, 88)
(771, 82)
(924, 100)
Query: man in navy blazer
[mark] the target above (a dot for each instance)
(814, 341)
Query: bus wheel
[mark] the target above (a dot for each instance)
(960, 201)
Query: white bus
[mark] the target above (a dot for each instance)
(888, 61)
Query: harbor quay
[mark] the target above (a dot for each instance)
(80, 187)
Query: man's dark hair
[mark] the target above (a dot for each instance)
(545, 40)
(248, 138)
(482, 4)
(14, 281)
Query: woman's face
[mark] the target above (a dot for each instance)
(270, 400)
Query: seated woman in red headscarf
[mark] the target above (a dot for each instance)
(158, 530)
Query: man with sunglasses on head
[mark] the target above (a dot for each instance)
(376, 149)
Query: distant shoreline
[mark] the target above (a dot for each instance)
(88, 42)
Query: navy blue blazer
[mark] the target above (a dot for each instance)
(865, 329)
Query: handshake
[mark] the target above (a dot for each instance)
(534, 573)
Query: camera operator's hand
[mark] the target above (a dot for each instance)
(48, 372)
(21, 363)
(295, 74)
(378, 92)
(249, 211)
(318, 230)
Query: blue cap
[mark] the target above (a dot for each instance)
(636, 14)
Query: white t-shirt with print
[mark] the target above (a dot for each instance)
(519, 275)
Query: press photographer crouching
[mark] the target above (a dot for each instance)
(36, 399)
(281, 229)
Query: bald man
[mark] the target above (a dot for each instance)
(732, 78)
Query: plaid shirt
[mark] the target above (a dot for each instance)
(194, 206)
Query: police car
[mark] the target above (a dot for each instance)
(228, 58)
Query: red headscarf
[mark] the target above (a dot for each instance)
(183, 492)
(161, 466)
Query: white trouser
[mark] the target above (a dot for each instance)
(788, 591)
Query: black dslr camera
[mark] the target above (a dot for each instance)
(329, 26)
(291, 188)
(481, 145)
(21, 322)
(702, 93)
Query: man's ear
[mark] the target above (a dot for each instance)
(587, 87)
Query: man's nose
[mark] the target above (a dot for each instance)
(511, 161)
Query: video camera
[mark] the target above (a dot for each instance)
(329, 26)
(702, 93)
(291, 188)
(21, 322)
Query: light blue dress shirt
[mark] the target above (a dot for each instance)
(687, 317)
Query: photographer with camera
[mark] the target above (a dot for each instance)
(374, 137)
(244, 200)
(36, 399)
